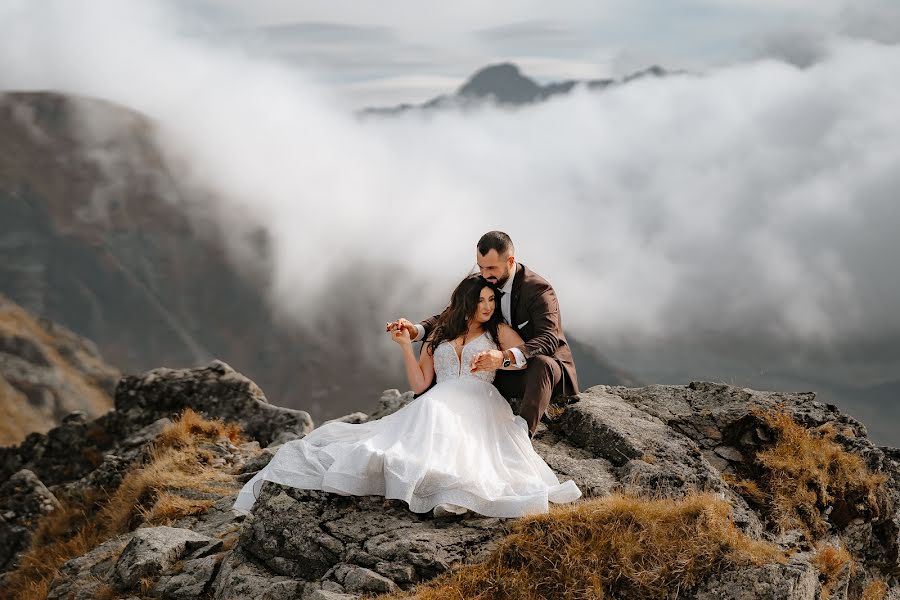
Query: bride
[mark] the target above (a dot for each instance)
(455, 448)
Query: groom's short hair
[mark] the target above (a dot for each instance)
(496, 240)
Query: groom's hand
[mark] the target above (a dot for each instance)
(402, 323)
(400, 335)
(489, 360)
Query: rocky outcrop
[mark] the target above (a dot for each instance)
(81, 448)
(216, 390)
(660, 441)
(46, 372)
(24, 499)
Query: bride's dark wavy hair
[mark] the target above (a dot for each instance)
(453, 322)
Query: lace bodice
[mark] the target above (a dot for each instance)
(447, 365)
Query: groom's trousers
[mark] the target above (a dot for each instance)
(536, 385)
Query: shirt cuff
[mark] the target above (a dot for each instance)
(520, 358)
(421, 333)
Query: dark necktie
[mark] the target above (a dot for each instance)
(499, 298)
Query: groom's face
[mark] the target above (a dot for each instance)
(496, 268)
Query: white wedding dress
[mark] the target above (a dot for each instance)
(457, 447)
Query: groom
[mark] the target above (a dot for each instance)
(530, 306)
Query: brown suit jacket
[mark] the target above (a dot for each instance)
(535, 315)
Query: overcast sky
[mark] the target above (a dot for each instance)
(396, 51)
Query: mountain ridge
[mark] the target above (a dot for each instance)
(505, 85)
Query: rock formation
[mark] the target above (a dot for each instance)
(655, 441)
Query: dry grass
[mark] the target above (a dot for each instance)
(148, 494)
(146, 585)
(748, 488)
(106, 592)
(876, 590)
(804, 474)
(831, 562)
(619, 546)
(191, 426)
(170, 507)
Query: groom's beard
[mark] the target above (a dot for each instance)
(501, 282)
(496, 281)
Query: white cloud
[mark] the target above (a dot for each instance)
(755, 203)
(393, 91)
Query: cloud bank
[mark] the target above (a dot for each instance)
(738, 221)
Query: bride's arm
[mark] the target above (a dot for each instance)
(510, 338)
(419, 372)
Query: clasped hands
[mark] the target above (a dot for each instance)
(403, 331)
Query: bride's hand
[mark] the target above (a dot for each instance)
(401, 336)
(488, 360)
(402, 323)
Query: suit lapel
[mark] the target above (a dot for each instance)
(516, 288)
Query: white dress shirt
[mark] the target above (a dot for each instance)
(505, 308)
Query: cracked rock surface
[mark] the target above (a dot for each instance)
(658, 440)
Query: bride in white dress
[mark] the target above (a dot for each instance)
(457, 447)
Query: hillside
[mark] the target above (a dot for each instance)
(94, 234)
(46, 373)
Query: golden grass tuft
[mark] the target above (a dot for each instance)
(620, 546)
(748, 488)
(170, 507)
(148, 494)
(831, 562)
(191, 425)
(106, 592)
(804, 473)
(876, 590)
(146, 585)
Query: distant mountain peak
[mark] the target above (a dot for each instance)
(504, 82)
(652, 71)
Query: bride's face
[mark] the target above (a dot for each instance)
(486, 305)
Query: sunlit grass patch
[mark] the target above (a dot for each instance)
(806, 480)
(875, 590)
(831, 562)
(619, 545)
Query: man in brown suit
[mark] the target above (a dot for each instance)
(529, 305)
